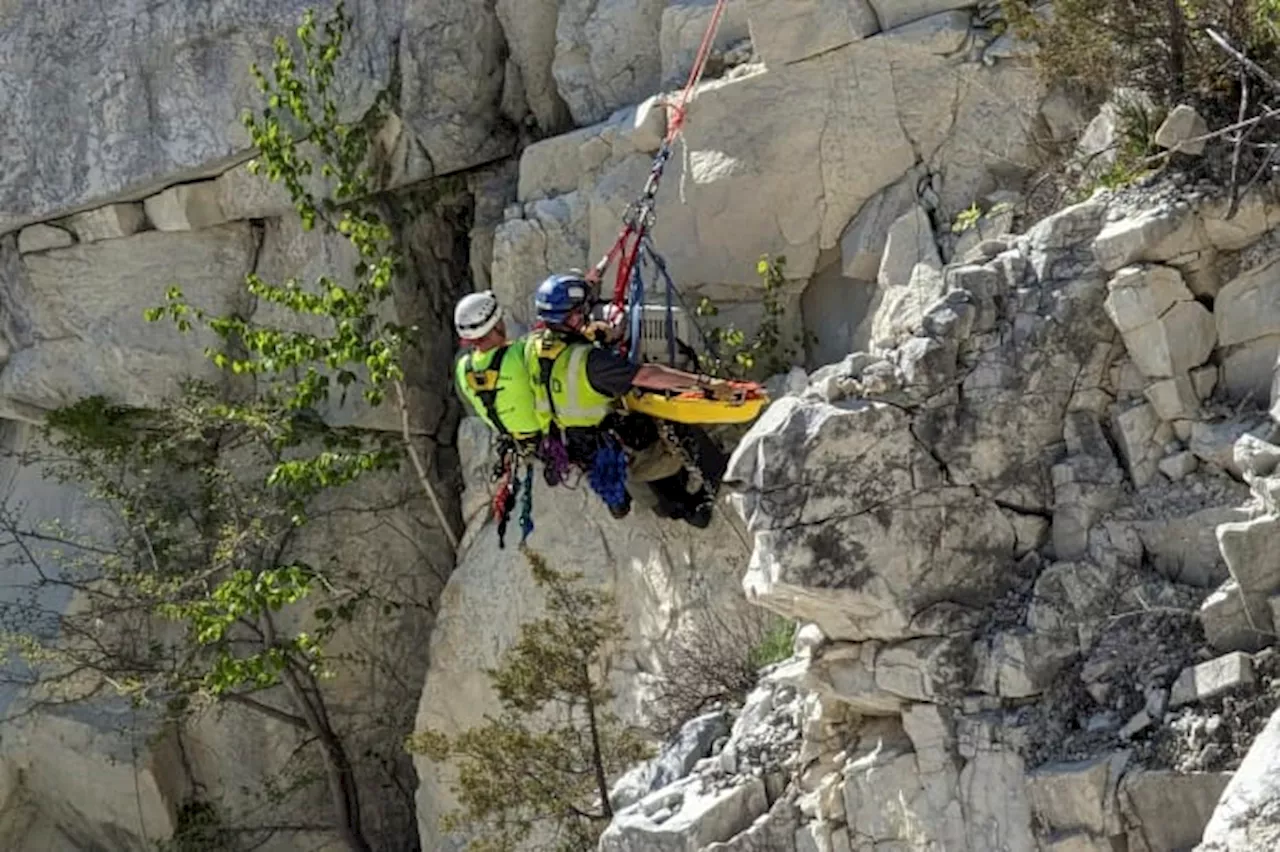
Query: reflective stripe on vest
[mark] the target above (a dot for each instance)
(574, 402)
(574, 407)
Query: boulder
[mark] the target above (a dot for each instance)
(1165, 330)
(1070, 600)
(1247, 816)
(932, 736)
(1136, 433)
(1179, 465)
(675, 761)
(186, 207)
(876, 574)
(843, 672)
(1085, 486)
(1079, 796)
(1228, 625)
(887, 799)
(1169, 810)
(895, 13)
(1215, 442)
(1137, 295)
(1182, 131)
(1248, 548)
(1185, 549)
(771, 832)
(1155, 234)
(1174, 399)
(109, 222)
(859, 569)
(1022, 663)
(1212, 678)
(792, 32)
(42, 237)
(993, 789)
(686, 817)
(606, 55)
(1256, 213)
(1247, 308)
(76, 326)
(929, 669)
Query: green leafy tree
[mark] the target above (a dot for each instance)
(191, 599)
(305, 145)
(196, 598)
(545, 761)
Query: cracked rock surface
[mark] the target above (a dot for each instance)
(1025, 628)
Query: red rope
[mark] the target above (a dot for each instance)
(625, 256)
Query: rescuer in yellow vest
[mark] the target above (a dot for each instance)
(576, 386)
(493, 376)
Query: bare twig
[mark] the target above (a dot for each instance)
(1235, 54)
(1271, 155)
(1235, 154)
(1247, 124)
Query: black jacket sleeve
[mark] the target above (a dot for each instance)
(609, 373)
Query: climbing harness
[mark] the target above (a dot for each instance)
(484, 384)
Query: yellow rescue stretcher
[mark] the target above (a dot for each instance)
(696, 408)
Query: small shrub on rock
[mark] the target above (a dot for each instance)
(1158, 46)
(718, 662)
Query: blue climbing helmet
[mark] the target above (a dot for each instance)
(559, 295)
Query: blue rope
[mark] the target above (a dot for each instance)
(526, 506)
(635, 304)
(608, 476)
(661, 266)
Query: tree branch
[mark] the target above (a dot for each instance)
(407, 432)
(266, 709)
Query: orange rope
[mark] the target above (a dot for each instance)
(619, 251)
(695, 73)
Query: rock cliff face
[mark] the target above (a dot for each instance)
(1026, 524)
(826, 138)
(121, 177)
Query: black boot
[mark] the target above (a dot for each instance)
(698, 510)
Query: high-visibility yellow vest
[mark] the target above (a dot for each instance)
(498, 385)
(562, 393)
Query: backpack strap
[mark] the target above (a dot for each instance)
(484, 383)
(549, 348)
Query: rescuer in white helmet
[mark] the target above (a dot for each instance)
(492, 376)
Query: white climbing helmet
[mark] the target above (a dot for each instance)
(476, 315)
